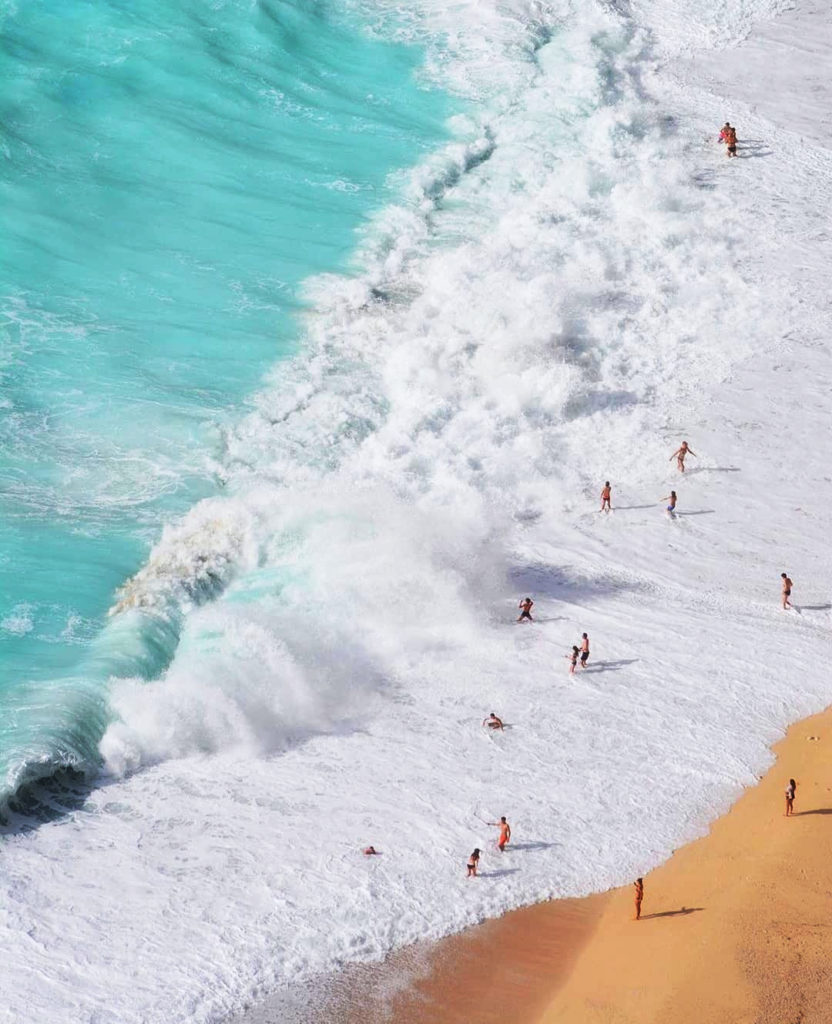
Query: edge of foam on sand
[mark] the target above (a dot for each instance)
(736, 926)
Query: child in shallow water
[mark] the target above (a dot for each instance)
(473, 861)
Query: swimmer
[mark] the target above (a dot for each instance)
(639, 896)
(505, 833)
(370, 851)
(525, 607)
(679, 456)
(584, 650)
(787, 590)
(671, 499)
(790, 790)
(493, 722)
(573, 660)
(606, 498)
(473, 862)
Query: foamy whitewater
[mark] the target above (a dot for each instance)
(568, 285)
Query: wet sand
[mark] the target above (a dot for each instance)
(737, 926)
(503, 970)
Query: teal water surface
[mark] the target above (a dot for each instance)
(172, 172)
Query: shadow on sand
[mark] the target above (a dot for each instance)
(672, 913)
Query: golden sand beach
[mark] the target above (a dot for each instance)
(736, 928)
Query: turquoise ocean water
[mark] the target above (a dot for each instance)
(172, 172)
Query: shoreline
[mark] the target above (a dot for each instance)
(735, 929)
(736, 925)
(488, 973)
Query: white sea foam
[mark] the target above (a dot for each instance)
(19, 621)
(562, 294)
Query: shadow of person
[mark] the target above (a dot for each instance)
(607, 666)
(671, 913)
(817, 810)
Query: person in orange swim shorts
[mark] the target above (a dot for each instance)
(505, 833)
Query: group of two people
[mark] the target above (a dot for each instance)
(505, 836)
(728, 135)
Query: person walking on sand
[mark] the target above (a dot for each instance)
(606, 498)
(790, 791)
(473, 862)
(639, 896)
(679, 456)
(584, 649)
(505, 833)
(671, 508)
(573, 659)
(525, 607)
(493, 722)
(786, 591)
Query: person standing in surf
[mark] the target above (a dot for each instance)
(731, 140)
(473, 862)
(584, 649)
(606, 498)
(505, 833)
(786, 590)
(573, 659)
(525, 607)
(723, 135)
(671, 508)
(679, 456)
